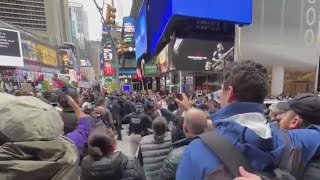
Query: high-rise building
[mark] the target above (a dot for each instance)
(136, 4)
(23, 13)
(48, 19)
(94, 48)
(79, 27)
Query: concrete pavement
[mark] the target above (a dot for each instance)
(124, 145)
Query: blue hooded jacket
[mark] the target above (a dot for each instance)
(244, 125)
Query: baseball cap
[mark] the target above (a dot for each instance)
(139, 105)
(274, 108)
(27, 118)
(306, 105)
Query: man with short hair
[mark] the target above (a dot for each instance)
(139, 123)
(241, 122)
(299, 112)
(194, 124)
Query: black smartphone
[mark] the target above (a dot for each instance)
(64, 90)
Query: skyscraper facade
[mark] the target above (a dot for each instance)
(79, 27)
(49, 19)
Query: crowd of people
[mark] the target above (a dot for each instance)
(67, 134)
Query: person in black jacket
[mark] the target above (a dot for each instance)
(115, 109)
(139, 123)
(104, 162)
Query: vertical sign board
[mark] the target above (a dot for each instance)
(141, 39)
(128, 32)
(10, 48)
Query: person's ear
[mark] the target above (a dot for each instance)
(185, 129)
(295, 123)
(230, 94)
(114, 147)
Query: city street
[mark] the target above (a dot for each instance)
(124, 145)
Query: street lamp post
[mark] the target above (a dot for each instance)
(113, 45)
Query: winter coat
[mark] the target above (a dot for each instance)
(170, 165)
(38, 160)
(116, 167)
(154, 154)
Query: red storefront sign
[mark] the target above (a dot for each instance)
(139, 74)
(108, 69)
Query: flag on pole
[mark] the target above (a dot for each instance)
(58, 82)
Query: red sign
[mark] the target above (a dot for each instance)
(108, 69)
(139, 74)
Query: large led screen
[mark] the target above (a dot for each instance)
(141, 31)
(10, 48)
(200, 55)
(161, 12)
(128, 32)
(235, 11)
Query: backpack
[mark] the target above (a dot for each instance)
(289, 168)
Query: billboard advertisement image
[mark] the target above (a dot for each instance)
(141, 31)
(128, 32)
(10, 48)
(166, 13)
(200, 55)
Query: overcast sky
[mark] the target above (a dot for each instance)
(95, 28)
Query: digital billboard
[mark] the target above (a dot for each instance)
(160, 12)
(141, 31)
(200, 55)
(235, 11)
(128, 32)
(10, 48)
(165, 12)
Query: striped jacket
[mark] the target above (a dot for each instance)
(154, 154)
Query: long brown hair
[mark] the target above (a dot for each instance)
(101, 143)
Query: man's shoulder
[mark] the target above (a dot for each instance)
(305, 136)
(199, 152)
(176, 154)
(199, 159)
(149, 139)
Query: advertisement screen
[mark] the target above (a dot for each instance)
(163, 60)
(234, 11)
(128, 32)
(141, 31)
(150, 70)
(10, 48)
(227, 10)
(127, 71)
(200, 55)
(108, 69)
(160, 12)
(126, 88)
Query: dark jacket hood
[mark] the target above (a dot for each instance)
(106, 168)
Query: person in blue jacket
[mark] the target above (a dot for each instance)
(241, 122)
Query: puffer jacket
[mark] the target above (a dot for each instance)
(117, 167)
(38, 160)
(154, 154)
(170, 165)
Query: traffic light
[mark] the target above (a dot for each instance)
(123, 48)
(111, 14)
